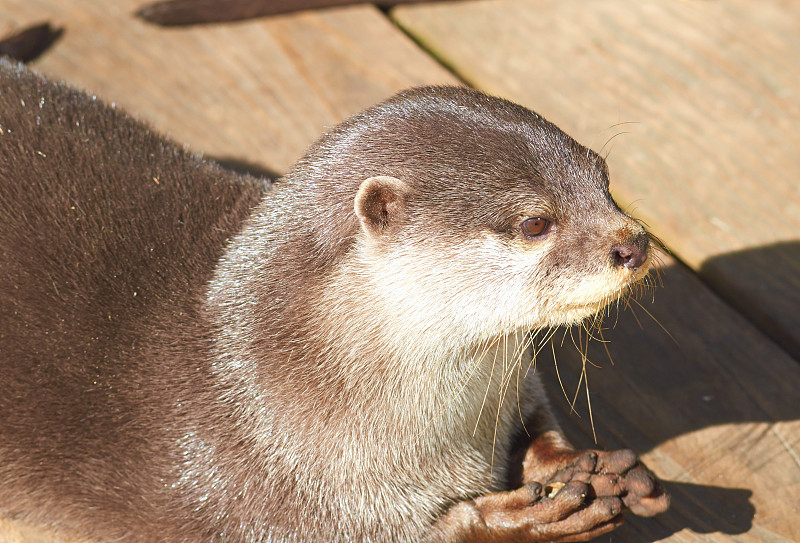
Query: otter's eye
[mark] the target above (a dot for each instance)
(535, 227)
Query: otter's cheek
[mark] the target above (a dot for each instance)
(574, 298)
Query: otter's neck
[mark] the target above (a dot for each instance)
(324, 340)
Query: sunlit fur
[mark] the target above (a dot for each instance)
(187, 358)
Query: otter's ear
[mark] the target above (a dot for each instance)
(380, 204)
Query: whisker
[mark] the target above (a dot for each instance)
(526, 344)
(583, 353)
(622, 123)
(589, 405)
(486, 395)
(655, 320)
(501, 397)
(558, 375)
(630, 308)
(608, 353)
(548, 337)
(609, 140)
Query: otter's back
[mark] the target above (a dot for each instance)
(108, 234)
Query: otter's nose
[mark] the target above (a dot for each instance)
(632, 253)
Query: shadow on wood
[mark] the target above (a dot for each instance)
(696, 384)
(773, 300)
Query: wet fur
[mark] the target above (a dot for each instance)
(183, 358)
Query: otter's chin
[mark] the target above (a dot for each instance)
(572, 314)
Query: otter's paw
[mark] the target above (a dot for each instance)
(600, 469)
(551, 513)
(550, 457)
(615, 473)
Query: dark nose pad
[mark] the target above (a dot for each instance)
(631, 254)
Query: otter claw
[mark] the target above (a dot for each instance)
(552, 489)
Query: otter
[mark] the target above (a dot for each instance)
(192, 354)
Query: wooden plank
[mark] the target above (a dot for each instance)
(715, 410)
(258, 92)
(707, 93)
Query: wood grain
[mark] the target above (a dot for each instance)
(703, 97)
(258, 92)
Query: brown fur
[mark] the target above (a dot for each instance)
(182, 359)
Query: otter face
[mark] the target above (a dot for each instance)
(491, 220)
(539, 269)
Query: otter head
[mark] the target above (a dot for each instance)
(475, 216)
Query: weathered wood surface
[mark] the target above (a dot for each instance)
(258, 91)
(709, 95)
(716, 411)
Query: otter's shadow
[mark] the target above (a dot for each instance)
(685, 361)
(247, 168)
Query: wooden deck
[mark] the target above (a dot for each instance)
(705, 98)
